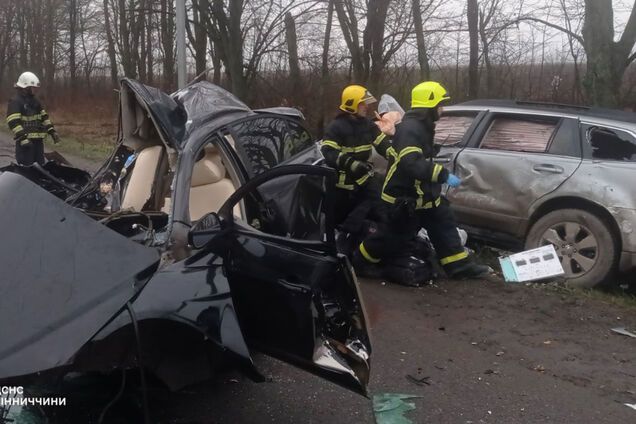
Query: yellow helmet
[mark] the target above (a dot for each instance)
(352, 96)
(428, 95)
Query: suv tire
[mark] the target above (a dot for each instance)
(584, 242)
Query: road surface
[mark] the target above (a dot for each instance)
(494, 353)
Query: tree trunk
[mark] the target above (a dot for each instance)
(112, 55)
(472, 10)
(374, 41)
(200, 41)
(49, 47)
(72, 40)
(167, 42)
(234, 53)
(345, 11)
(324, 69)
(422, 55)
(292, 48)
(605, 63)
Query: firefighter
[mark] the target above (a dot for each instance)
(411, 193)
(347, 147)
(29, 121)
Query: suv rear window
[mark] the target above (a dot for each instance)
(519, 134)
(609, 144)
(450, 129)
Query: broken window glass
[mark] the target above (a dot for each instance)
(265, 142)
(611, 144)
(519, 135)
(450, 129)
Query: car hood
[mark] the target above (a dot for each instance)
(64, 277)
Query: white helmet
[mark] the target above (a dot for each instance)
(28, 79)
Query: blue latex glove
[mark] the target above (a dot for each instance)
(453, 180)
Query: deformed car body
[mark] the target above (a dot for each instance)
(216, 236)
(536, 174)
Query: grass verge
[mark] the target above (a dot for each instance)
(96, 150)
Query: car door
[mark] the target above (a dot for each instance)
(453, 131)
(511, 161)
(295, 297)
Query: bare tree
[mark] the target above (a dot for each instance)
(422, 56)
(472, 12)
(292, 47)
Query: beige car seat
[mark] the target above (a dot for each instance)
(210, 187)
(142, 178)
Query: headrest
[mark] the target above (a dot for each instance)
(209, 169)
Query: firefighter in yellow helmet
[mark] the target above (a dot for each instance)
(411, 194)
(347, 146)
(29, 122)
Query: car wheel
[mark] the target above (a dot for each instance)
(584, 243)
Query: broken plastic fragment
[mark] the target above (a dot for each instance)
(389, 408)
(624, 332)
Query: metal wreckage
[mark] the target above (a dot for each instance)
(208, 233)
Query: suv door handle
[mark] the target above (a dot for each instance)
(443, 158)
(544, 167)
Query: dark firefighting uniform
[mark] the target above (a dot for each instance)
(412, 199)
(350, 138)
(30, 125)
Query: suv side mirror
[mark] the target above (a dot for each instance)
(204, 230)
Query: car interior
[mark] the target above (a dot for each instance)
(147, 182)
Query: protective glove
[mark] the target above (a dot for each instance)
(453, 180)
(359, 168)
(56, 138)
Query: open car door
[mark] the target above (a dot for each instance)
(296, 298)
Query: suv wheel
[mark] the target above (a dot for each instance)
(584, 243)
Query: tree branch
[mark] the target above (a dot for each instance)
(577, 37)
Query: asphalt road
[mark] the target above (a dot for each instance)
(492, 352)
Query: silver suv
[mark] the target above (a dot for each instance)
(536, 174)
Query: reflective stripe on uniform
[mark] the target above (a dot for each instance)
(47, 123)
(428, 205)
(344, 149)
(409, 150)
(31, 118)
(396, 161)
(357, 149)
(36, 135)
(331, 144)
(13, 117)
(363, 179)
(454, 258)
(379, 139)
(342, 178)
(391, 152)
(366, 254)
(436, 171)
(17, 129)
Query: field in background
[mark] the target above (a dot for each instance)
(87, 125)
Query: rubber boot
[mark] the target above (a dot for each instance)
(365, 268)
(467, 270)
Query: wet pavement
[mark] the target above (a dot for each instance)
(474, 351)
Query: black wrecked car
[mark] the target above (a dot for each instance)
(208, 231)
